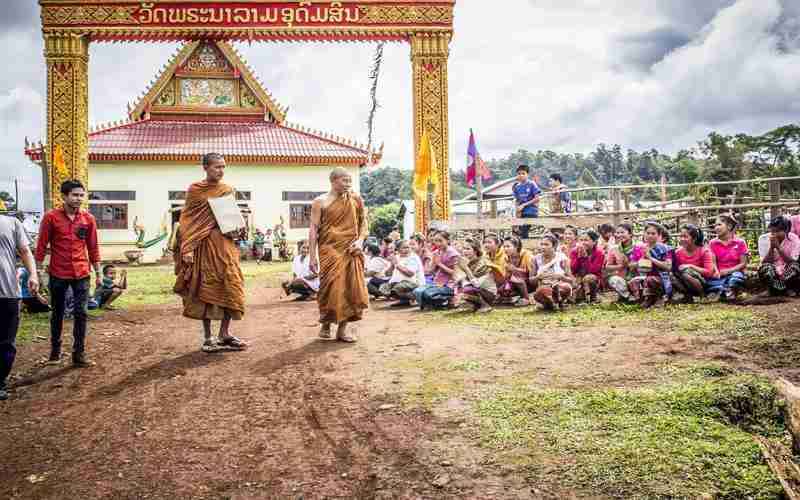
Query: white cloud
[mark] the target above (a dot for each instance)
(537, 74)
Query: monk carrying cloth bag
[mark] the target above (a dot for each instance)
(227, 212)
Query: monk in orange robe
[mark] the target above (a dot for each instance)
(209, 278)
(338, 229)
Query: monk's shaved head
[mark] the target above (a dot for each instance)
(339, 172)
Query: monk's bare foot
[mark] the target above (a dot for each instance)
(325, 332)
(344, 336)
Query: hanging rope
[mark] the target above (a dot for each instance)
(373, 76)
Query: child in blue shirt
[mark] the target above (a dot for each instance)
(526, 195)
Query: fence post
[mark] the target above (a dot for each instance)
(775, 197)
(616, 196)
(493, 209)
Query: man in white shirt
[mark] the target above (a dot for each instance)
(375, 273)
(304, 282)
(407, 274)
(13, 241)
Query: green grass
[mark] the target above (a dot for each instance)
(683, 439)
(696, 319)
(437, 378)
(152, 285)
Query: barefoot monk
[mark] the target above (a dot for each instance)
(207, 262)
(338, 229)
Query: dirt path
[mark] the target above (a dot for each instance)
(293, 416)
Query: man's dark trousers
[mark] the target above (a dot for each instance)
(80, 292)
(9, 324)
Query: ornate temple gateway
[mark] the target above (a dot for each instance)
(69, 26)
(206, 99)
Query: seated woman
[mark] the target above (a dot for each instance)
(518, 272)
(780, 250)
(569, 240)
(694, 263)
(552, 275)
(304, 282)
(478, 286)
(731, 255)
(444, 262)
(375, 272)
(617, 270)
(652, 261)
(407, 274)
(587, 261)
(607, 240)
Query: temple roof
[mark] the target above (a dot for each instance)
(206, 99)
(186, 140)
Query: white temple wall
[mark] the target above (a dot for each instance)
(153, 182)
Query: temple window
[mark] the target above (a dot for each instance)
(110, 215)
(299, 216)
(301, 195)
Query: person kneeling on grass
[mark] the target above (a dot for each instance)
(444, 263)
(652, 260)
(110, 289)
(478, 286)
(694, 264)
(518, 272)
(304, 282)
(731, 255)
(375, 270)
(780, 251)
(552, 275)
(407, 274)
(586, 261)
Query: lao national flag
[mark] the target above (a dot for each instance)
(475, 164)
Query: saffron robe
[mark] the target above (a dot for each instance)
(213, 284)
(342, 295)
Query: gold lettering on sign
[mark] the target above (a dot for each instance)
(304, 13)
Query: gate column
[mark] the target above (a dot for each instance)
(67, 58)
(429, 54)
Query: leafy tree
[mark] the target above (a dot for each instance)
(383, 219)
(386, 185)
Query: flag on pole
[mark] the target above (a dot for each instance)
(425, 170)
(475, 164)
(59, 165)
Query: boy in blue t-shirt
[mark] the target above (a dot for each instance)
(526, 195)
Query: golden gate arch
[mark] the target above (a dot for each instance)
(69, 26)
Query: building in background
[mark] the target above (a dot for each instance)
(205, 100)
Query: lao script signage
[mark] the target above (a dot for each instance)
(243, 15)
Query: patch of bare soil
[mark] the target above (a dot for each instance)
(295, 416)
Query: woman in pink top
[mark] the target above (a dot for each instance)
(730, 256)
(780, 250)
(694, 263)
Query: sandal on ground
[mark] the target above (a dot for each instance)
(522, 303)
(325, 333)
(232, 341)
(347, 337)
(209, 346)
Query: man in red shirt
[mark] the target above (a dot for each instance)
(71, 234)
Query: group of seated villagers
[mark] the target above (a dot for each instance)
(438, 272)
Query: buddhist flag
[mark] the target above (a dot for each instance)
(59, 165)
(425, 170)
(475, 164)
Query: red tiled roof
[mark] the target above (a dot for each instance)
(239, 142)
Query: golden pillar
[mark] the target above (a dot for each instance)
(67, 58)
(429, 53)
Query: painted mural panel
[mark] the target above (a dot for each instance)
(212, 93)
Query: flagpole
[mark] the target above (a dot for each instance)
(479, 187)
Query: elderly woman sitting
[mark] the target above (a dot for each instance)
(780, 250)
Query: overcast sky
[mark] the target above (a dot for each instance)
(537, 74)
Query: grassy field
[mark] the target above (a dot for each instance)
(152, 285)
(690, 437)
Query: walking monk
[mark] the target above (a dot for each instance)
(338, 229)
(207, 262)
